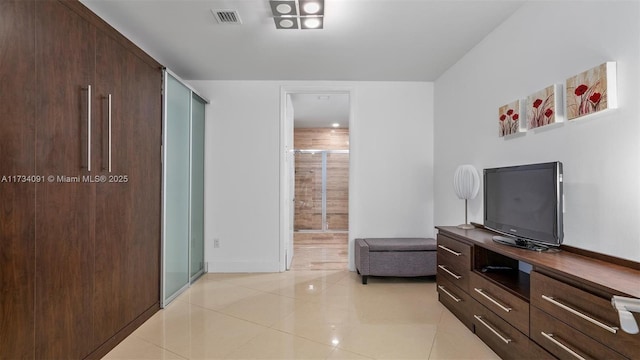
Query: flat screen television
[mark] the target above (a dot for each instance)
(524, 203)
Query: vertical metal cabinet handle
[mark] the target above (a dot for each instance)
(506, 340)
(590, 319)
(88, 127)
(481, 292)
(456, 299)
(109, 132)
(458, 277)
(449, 250)
(561, 345)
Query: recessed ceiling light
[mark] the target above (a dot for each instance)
(311, 8)
(286, 23)
(311, 23)
(335, 125)
(284, 9)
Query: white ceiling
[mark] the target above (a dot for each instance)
(320, 110)
(362, 40)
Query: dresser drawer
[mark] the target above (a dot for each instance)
(504, 339)
(582, 310)
(457, 301)
(505, 304)
(564, 341)
(454, 261)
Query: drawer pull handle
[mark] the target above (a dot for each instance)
(506, 340)
(561, 345)
(458, 277)
(449, 250)
(456, 299)
(555, 302)
(486, 296)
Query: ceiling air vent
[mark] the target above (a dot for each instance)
(227, 17)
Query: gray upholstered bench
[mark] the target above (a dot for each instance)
(395, 257)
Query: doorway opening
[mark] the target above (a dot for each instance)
(321, 218)
(318, 180)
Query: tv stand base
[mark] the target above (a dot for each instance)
(519, 243)
(513, 310)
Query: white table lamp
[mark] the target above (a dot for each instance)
(466, 184)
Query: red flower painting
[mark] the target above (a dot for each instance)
(541, 108)
(588, 92)
(509, 119)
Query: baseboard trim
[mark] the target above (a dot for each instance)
(242, 267)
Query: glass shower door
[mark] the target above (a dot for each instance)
(321, 190)
(308, 191)
(337, 191)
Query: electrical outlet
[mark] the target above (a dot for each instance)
(216, 243)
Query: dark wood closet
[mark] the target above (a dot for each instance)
(80, 190)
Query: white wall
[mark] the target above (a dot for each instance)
(391, 166)
(541, 44)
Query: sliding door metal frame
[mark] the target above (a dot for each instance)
(192, 278)
(324, 225)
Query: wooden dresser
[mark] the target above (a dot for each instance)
(536, 305)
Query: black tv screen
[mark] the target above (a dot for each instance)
(525, 202)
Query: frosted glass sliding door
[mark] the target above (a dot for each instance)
(176, 188)
(183, 187)
(197, 186)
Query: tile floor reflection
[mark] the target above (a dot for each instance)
(318, 314)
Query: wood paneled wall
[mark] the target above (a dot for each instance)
(321, 139)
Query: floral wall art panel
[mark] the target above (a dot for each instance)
(542, 107)
(509, 119)
(591, 91)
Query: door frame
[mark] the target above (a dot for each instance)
(286, 158)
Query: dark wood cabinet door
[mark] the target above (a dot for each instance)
(17, 197)
(128, 203)
(79, 260)
(113, 200)
(144, 95)
(64, 205)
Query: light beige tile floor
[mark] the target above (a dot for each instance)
(322, 314)
(320, 251)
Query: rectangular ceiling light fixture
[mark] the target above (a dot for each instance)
(298, 14)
